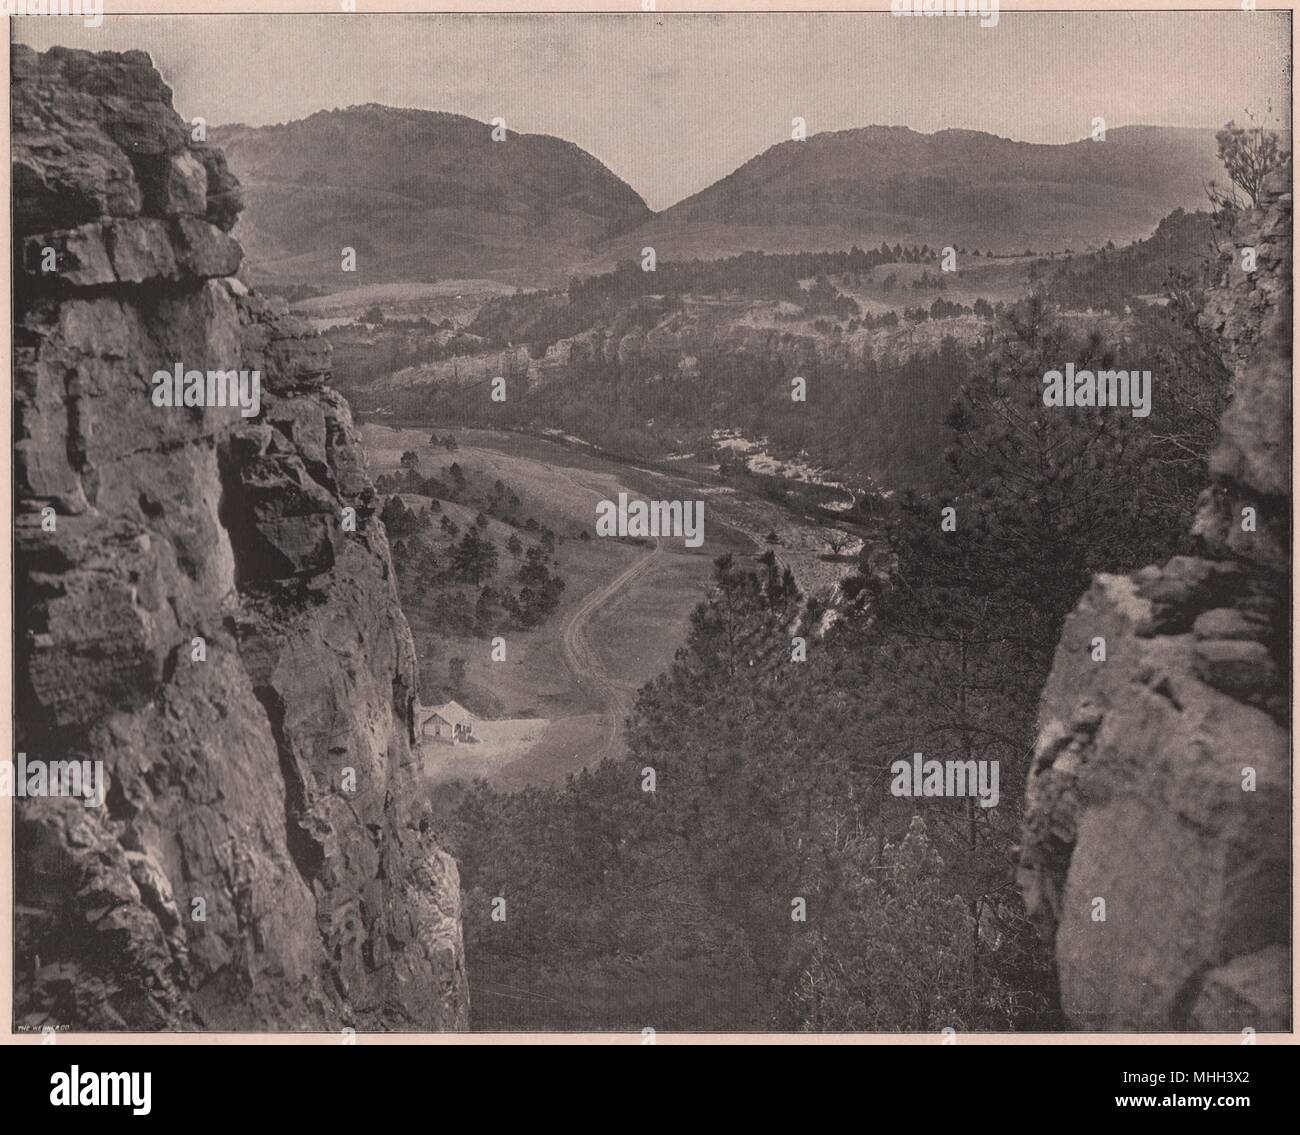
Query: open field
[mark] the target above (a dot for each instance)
(557, 702)
(622, 616)
(497, 745)
(456, 300)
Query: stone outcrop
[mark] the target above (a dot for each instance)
(1161, 783)
(206, 604)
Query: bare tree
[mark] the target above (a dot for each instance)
(1249, 155)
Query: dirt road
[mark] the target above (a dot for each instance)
(581, 659)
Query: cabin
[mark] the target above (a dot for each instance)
(450, 723)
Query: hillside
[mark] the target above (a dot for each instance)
(426, 196)
(420, 195)
(958, 187)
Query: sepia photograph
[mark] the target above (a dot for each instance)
(649, 524)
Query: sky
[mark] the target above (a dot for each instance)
(672, 102)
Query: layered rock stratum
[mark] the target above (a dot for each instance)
(258, 861)
(1161, 784)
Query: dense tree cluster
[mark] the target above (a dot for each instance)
(456, 574)
(1117, 280)
(629, 297)
(773, 777)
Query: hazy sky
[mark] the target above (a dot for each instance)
(672, 102)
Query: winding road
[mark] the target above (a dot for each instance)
(581, 658)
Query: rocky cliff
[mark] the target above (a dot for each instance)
(1161, 784)
(205, 603)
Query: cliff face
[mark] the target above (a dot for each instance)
(262, 778)
(1161, 781)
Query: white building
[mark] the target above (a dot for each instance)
(450, 723)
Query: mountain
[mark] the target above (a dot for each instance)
(428, 196)
(420, 195)
(959, 187)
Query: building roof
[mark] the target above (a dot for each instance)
(453, 713)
